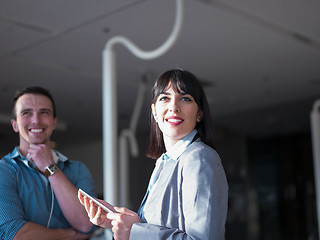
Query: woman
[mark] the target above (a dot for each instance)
(188, 191)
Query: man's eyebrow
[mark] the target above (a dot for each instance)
(26, 110)
(45, 109)
(41, 109)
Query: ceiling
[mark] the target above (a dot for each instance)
(259, 61)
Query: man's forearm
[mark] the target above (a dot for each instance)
(66, 193)
(32, 231)
(67, 196)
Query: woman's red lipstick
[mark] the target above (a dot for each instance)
(174, 120)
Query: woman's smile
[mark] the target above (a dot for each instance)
(174, 120)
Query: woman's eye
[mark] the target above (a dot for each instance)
(187, 99)
(163, 98)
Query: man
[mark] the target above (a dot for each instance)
(38, 185)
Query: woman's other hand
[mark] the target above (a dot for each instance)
(122, 222)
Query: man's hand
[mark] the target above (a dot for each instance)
(41, 155)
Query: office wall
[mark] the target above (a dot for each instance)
(90, 153)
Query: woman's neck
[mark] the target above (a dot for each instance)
(169, 142)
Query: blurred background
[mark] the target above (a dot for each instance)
(259, 62)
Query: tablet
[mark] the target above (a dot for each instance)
(97, 203)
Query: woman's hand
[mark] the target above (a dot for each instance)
(122, 222)
(96, 215)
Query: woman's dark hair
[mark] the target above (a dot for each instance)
(32, 90)
(185, 81)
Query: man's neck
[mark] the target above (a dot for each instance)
(22, 152)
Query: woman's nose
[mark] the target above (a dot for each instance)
(174, 106)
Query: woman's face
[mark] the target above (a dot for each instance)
(176, 115)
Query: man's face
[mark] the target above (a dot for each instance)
(34, 119)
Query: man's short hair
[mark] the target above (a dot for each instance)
(32, 90)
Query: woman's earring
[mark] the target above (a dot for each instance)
(199, 118)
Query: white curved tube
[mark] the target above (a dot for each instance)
(147, 55)
(315, 134)
(139, 103)
(109, 99)
(126, 140)
(127, 134)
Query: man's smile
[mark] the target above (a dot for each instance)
(36, 130)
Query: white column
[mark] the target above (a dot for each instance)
(109, 103)
(315, 134)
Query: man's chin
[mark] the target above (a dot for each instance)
(37, 141)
